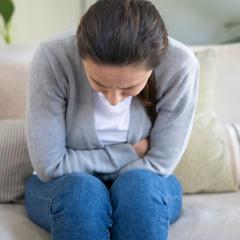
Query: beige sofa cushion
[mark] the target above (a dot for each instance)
(227, 80)
(15, 165)
(202, 217)
(206, 165)
(15, 63)
(13, 89)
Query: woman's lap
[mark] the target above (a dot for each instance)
(130, 187)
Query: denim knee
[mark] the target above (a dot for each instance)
(73, 206)
(80, 192)
(82, 209)
(140, 195)
(140, 184)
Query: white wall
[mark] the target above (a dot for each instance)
(197, 21)
(200, 21)
(35, 20)
(190, 21)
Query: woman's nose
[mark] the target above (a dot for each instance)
(114, 98)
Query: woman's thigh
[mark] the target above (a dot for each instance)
(145, 181)
(64, 199)
(150, 201)
(38, 197)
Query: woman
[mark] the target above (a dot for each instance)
(109, 114)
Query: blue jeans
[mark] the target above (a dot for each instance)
(138, 205)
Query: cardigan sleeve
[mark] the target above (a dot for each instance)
(45, 130)
(172, 128)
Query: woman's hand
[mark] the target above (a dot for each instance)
(141, 147)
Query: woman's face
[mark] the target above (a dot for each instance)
(116, 83)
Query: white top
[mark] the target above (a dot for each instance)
(111, 122)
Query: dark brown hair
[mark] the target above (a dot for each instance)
(123, 32)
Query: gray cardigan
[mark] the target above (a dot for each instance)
(60, 133)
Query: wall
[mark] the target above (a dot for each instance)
(199, 21)
(35, 20)
(192, 22)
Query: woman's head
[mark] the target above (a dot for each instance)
(121, 42)
(116, 83)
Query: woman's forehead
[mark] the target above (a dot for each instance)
(124, 75)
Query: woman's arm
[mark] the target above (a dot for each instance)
(45, 130)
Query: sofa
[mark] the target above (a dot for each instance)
(204, 215)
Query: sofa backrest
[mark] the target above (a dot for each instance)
(227, 91)
(15, 66)
(15, 63)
